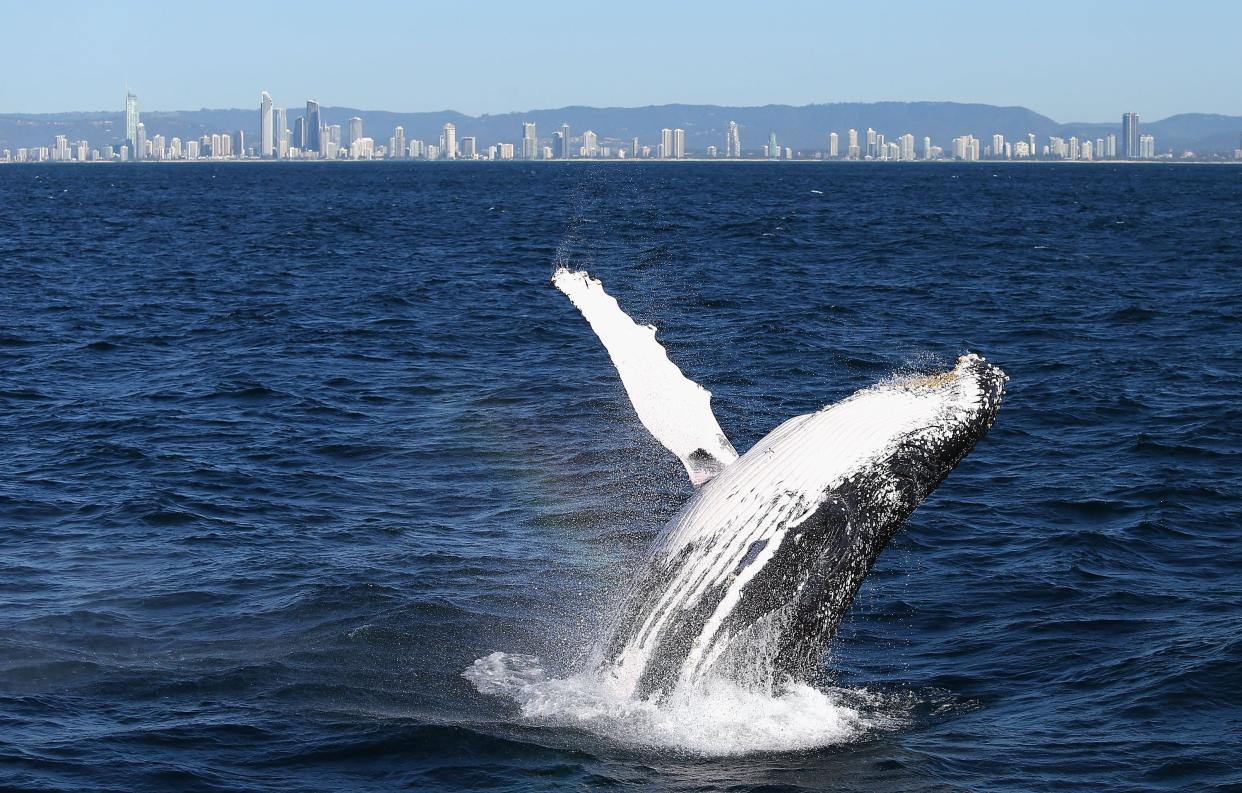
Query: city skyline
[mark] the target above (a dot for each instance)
(312, 139)
(1076, 61)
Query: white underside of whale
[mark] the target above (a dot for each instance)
(761, 496)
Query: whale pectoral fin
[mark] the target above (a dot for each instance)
(675, 410)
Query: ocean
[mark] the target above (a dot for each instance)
(308, 471)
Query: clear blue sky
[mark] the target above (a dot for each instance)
(1086, 60)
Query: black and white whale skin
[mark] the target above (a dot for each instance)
(751, 578)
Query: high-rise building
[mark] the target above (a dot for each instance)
(907, 146)
(774, 151)
(398, 141)
(1130, 136)
(299, 133)
(267, 142)
(853, 152)
(1030, 143)
(449, 150)
(834, 145)
(468, 148)
(590, 144)
(1147, 147)
(998, 145)
(873, 143)
(313, 127)
(131, 122)
(666, 142)
(280, 132)
(140, 141)
(564, 153)
(1110, 145)
(504, 151)
(733, 144)
(530, 142)
(239, 143)
(355, 130)
(679, 144)
(927, 147)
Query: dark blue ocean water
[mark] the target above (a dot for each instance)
(284, 449)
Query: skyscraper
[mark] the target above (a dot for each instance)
(267, 141)
(590, 144)
(398, 140)
(312, 127)
(834, 145)
(280, 132)
(1147, 147)
(450, 142)
(355, 130)
(774, 151)
(140, 141)
(131, 122)
(733, 144)
(530, 143)
(564, 152)
(679, 144)
(853, 151)
(1130, 136)
(299, 133)
(468, 149)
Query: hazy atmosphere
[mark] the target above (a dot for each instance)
(1072, 61)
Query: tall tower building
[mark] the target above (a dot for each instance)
(1130, 136)
(280, 132)
(355, 130)
(299, 133)
(312, 128)
(679, 144)
(733, 145)
(530, 143)
(450, 142)
(131, 122)
(398, 140)
(774, 151)
(834, 145)
(666, 142)
(140, 141)
(267, 141)
(564, 152)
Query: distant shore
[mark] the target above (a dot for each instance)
(622, 161)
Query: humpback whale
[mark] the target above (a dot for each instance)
(751, 577)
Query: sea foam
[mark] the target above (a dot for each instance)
(716, 719)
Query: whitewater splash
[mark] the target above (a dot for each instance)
(745, 587)
(718, 719)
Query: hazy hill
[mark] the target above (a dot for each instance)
(803, 128)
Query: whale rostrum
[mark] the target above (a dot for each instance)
(752, 576)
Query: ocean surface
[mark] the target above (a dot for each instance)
(310, 480)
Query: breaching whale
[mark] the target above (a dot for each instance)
(752, 576)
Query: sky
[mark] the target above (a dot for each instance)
(1088, 60)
